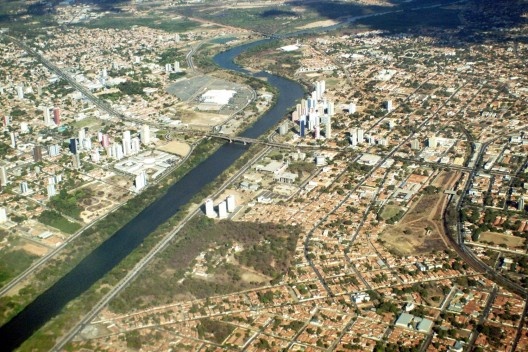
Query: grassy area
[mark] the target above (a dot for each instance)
(261, 19)
(87, 122)
(498, 239)
(223, 40)
(12, 263)
(390, 211)
(403, 21)
(54, 219)
(155, 22)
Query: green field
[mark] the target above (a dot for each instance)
(126, 22)
(54, 219)
(12, 263)
(390, 211)
(403, 21)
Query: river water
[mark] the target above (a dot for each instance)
(105, 257)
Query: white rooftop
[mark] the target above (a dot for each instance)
(218, 96)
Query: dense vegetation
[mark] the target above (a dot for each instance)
(267, 249)
(128, 21)
(13, 262)
(69, 203)
(54, 219)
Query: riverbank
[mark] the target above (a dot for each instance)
(158, 216)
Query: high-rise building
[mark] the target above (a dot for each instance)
(20, 91)
(95, 156)
(330, 110)
(82, 136)
(388, 105)
(76, 161)
(87, 144)
(37, 153)
(24, 127)
(312, 119)
(303, 127)
(3, 215)
(353, 137)
(5, 120)
(105, 141)
(360, 136)
(47, 116)
(24, 189)
(51, 190)
(317, 133)
(319, 89)
(328, 128)
(352, 108)
(3, 176)
(520, 203)
(431, 142)
(145, 134)
(13, 140)
(283, 128)
(295, 116)
(116, 151)
(54, 150)
(135, 145)
(140, 181)
(73, 146)
(415, 144)
(231, 203)
(209, 209)
(56, 116)
(126, 143)
(222, 210)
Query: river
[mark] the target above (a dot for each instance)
(105, 257)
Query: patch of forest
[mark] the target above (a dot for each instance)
(266, 249)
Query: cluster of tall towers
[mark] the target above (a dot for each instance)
(129, 145)
(313, 112)
(173, 68)
(52, 112)
(224, 207)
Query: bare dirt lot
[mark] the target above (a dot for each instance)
(105, 197)
(421, 229)
(326, 23)
(176, 147)
(36, 249)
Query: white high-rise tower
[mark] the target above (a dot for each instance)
(145, 134)
(222, 210)
(231, 203)
(209, 209)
